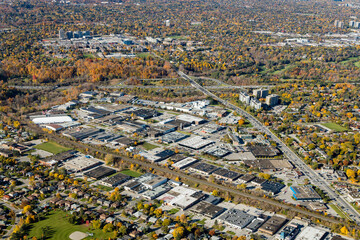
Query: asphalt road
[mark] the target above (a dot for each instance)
(315, 178)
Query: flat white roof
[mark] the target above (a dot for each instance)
(196, 142)
(311, 233)
(188, 118)
(48, 120)
(80, 163)
(184, 162)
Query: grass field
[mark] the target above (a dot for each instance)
(148, 146)
(143, 55)
(131, 173)
(60, 228)
(335, 127)
(337, 210)
(173, 211)
(183, 132)
(52, 147)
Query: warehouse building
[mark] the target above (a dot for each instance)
(203, 168)
(190, 119)
(311, 233)
(305, 193)
(227, 175)
(185, 163)
(207, 209)
(99, 172)
(50, 119)
(81, 163)
(115, 180)
(195, 143)
(273, 225)
(173, 137)
(156, 192)
(237, 218)
(82, 133)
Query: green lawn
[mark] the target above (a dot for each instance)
(337, 210)
(183, 132)
(357, 64)
(148, 146)
(60, 228)
(131, 173)
(143, 55)
(173, 211)
(335, 127)
(89, 55)
(52, 147)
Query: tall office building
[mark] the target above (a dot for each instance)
(62, 34)
(167, 23)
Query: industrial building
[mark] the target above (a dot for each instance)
(115, 180)
(272, 187)
(273, 225)
(82, 133)
(224, 174)
(131, 126)
(262, 150)
(305, 193)
(50, 119)
(237, 218)
(246, 178)
(256, 223)
(142, 113)
(203, 168)
(290, 231)
(154, 182)
(156, 192)
(173, 137)
(184, 163)
(207, 209)
(195, 143)
(99, 172)
(81, 163)
(218, 152)
(311, 233)
(190, 119)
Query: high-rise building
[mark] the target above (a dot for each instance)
(272, 100)
(69, 35)
(167, 23)
(357, 25)
(260, 93)
(254, 103)
(244, 97)
(77, 34)
(62, 34)
(339, 24)
(351, 24)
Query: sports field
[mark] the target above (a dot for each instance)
(57, 227)
(334, 126)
